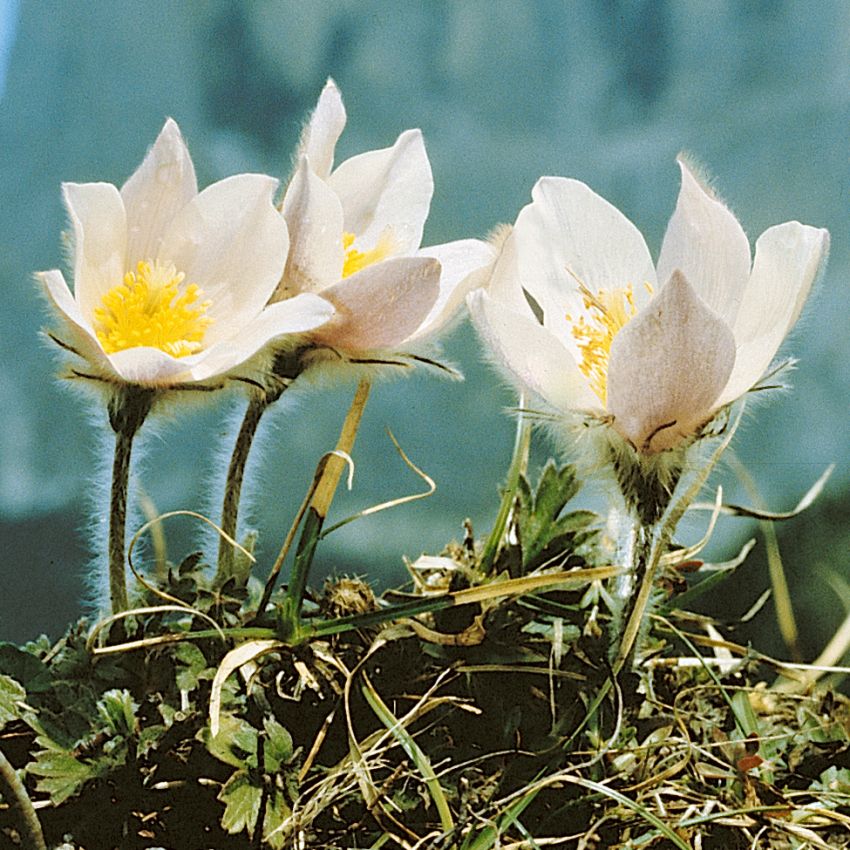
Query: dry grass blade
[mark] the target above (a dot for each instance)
(752, 513)
(236, 658)
(392, 503)
(181, 608)
(689, 552)
(155, 523)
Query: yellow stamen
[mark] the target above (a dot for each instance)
(607, 313)
(152, 308)
(356, 260)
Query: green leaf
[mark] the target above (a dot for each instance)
(241, 800)
(11, 692)
(542, 533)
(278, 747)
(62, 775)
(236, 742)
(546, 629)
(191, 666)
(150, 737)
(277, 813)
(554, 489)
(118, 712)
(191, 562)
(30, 671)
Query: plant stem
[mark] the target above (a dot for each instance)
(519, 464)
(127, 411)
(634, 588)
(648, 498)
(319, 505)
(15, 795)
(257, 405)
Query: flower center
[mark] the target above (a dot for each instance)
(607, 312)
(151, 308)
(356, 260)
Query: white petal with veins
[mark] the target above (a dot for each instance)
(381, 306)
(100, 240)
(571, 237)
(706, 243)
(313, 215)
(232, 243)
(532, 355)
(459, 263)
(667, 368)
(788, 257)
(389, 188)
(160, 187)
(323, 130)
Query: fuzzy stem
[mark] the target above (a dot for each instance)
(16, 796)
(257, 405)
(642, 557)
(519, 464)
(127, 411)
(319, 505)
(655, 522)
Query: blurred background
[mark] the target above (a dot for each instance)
(607, 91)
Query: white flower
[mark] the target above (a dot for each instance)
(171, 286)
(604, 340)
(355, 233)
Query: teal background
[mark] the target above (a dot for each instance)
(606, 91)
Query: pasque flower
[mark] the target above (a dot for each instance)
(355, 235)
(171, 286)
(578, 313)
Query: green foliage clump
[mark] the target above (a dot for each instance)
(472, 710)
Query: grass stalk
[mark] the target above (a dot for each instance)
(318, 508)
(519, 464)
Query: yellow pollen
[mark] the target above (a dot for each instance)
(607, 312)
(356, 260)
(152, 308)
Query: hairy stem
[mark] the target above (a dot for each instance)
(127, 411)
(257, 405)
(633, 590)
(655, 518)
(14, 793)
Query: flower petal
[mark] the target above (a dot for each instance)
(788, 257)
(321, 134)
(708, 245)
(387, 189)
(162, 185)
(82, 339)
(464, 267)
(381, 306)
(531, 355)
(313, 214)
(570, 236)
(505, 283)
(100, 240)
(667, 368)
(293, 316)
(232, 242)
(152, 367)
